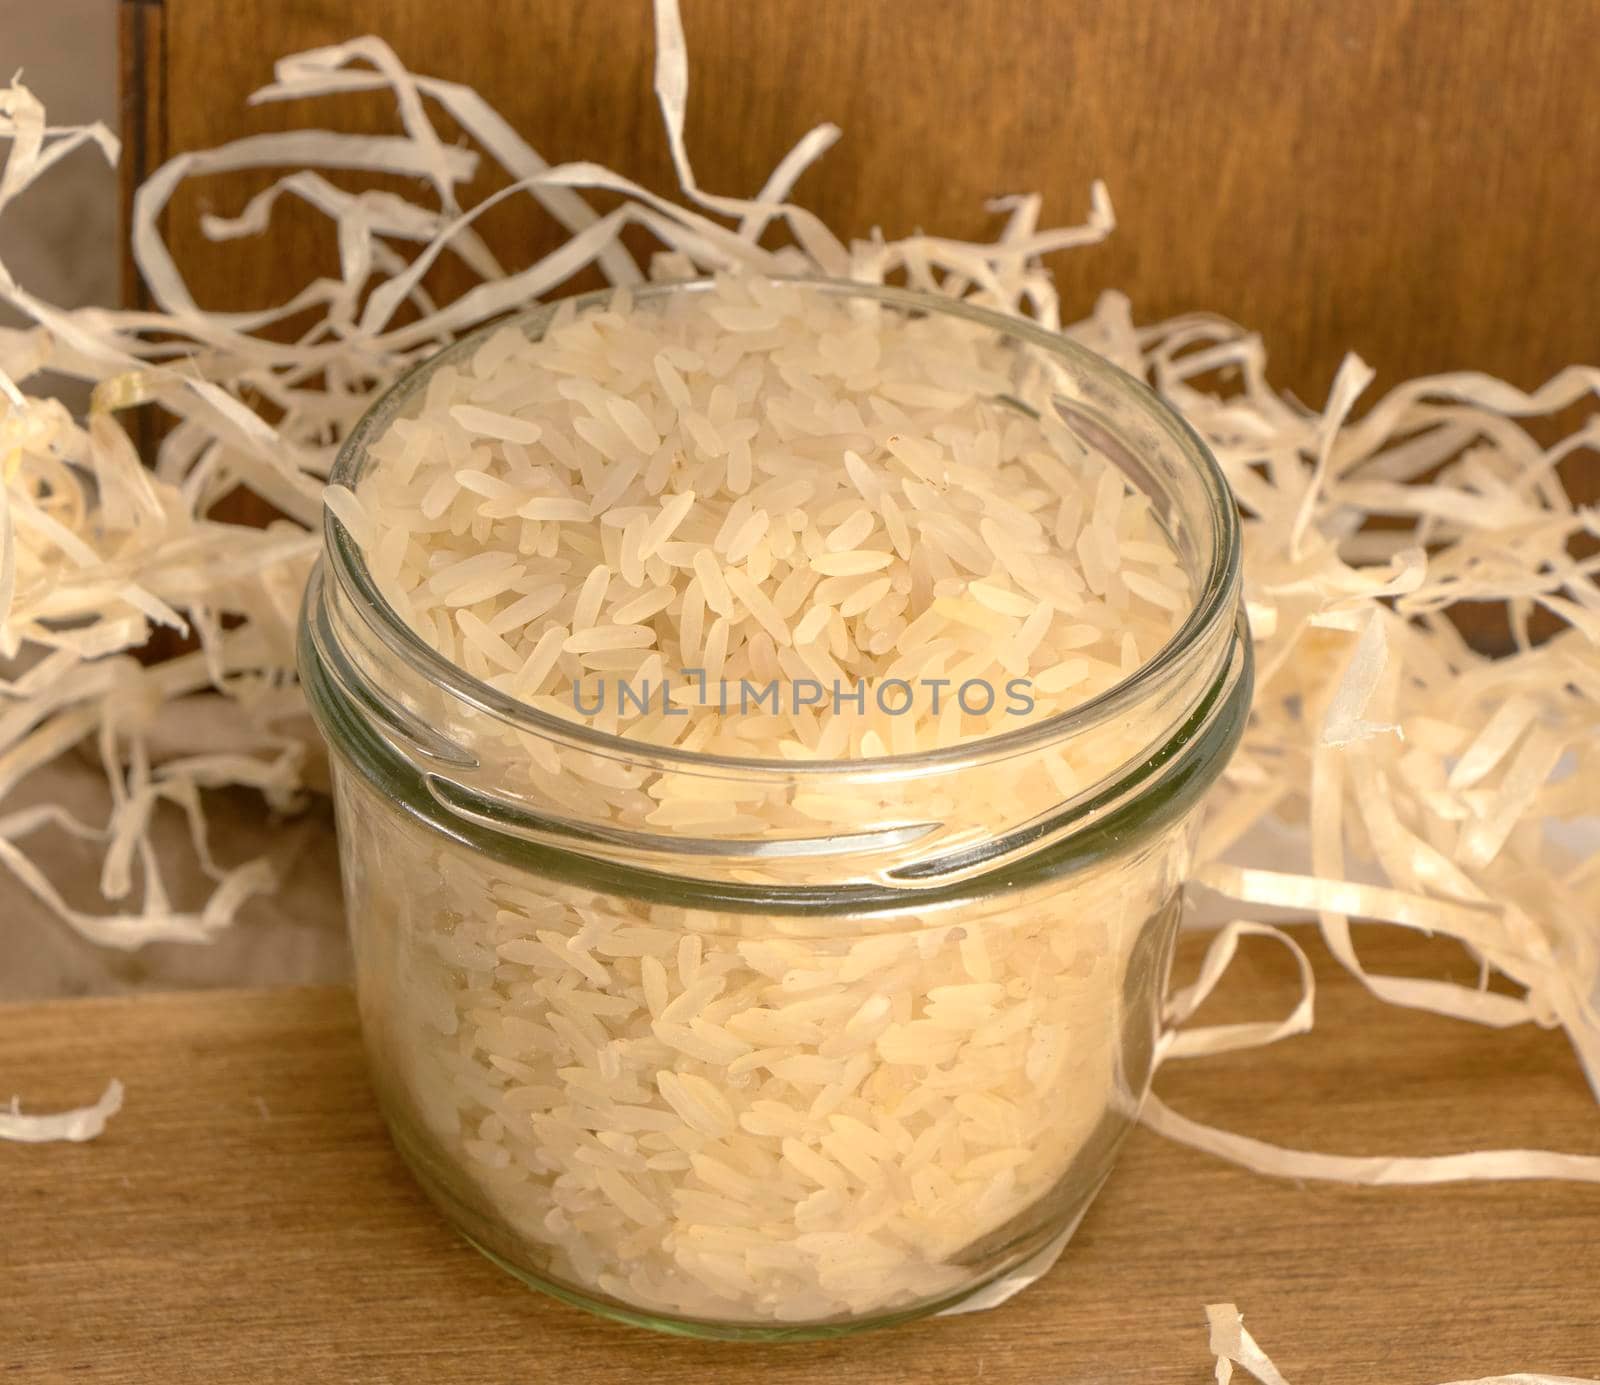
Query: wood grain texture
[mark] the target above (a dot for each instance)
(142, 90)
(142, 69)
(245, 1219)
(1406, 178)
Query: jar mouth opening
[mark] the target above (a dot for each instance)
(1214, 610)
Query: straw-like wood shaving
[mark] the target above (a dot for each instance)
(1232, 1345)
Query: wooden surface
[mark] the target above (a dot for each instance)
(1412, 179)
(244, 1219)
(141, 77)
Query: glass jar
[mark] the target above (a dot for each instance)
(853, 1057)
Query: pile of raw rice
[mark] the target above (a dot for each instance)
(764, 482)
(743, 1118)
(734, 1116)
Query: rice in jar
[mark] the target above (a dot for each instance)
(769, 720)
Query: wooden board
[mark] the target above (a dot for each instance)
(244, 1219)
(1396, 177)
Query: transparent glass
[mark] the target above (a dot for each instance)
(847, 1069)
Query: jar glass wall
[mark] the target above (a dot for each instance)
(847, 1066)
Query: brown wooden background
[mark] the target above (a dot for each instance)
(1411, 179)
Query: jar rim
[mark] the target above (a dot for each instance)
(1147, 796)
(1215, 607)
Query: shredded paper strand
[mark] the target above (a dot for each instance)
(1232, 1345)
(85, 1123)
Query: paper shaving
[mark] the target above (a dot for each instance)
(82, 1124)
(1437, 788)
(1232, 1345)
